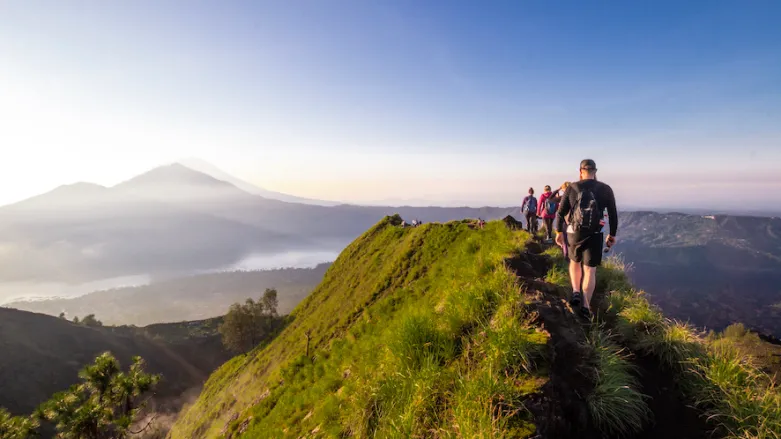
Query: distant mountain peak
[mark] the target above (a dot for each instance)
(81, 187)
(174, 173)
(217, 173)
(74, 194)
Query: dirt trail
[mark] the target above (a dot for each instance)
(561, 410)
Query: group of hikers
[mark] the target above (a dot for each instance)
(545, 208)
(578, 211)
(416, 222)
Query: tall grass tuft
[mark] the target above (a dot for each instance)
(674, 343)
(738, 397)
(616, 405)
(418, 343)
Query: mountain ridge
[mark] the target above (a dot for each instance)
(457, 330)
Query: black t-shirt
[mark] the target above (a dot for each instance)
(605, 200)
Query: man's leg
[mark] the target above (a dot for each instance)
(592, 258)
(549, 227)
(589, 284)
(575, 275)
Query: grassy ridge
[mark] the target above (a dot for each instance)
(423, 332)
(414, 332)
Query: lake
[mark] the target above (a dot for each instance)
(13, 291)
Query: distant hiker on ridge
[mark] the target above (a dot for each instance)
(546, 209)
(582, 206)
(529, 210)
(558, 194)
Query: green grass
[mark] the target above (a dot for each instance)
(739, 400)
(416, 332)
(422, 332)
(616, 405)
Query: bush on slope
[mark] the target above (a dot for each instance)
(414, 332)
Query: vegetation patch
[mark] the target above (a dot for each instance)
(616, 404)
(738, 399)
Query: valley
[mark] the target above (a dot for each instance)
(189, 298)
(43, 354)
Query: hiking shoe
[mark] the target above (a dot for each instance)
(576, 299)
(585, 313)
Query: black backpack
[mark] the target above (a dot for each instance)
(586, 213)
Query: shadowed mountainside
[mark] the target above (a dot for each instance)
(711, 270)
(42, 355)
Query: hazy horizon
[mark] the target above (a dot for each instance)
(399, 102)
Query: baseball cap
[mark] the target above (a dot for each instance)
(588, 165)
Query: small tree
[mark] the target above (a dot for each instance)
(246, 325)
(90, 320)
(62, 315)
(104, 404)
(269, 301)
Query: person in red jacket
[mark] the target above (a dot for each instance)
(546, 209)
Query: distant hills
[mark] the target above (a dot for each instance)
(713, 270)
(42, 355)
(173, 219)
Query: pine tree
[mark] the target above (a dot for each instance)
(104, 404)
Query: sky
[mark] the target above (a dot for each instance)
(399, 101)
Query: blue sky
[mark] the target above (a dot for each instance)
(389, 101)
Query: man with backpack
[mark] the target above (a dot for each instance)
(529, 210)
(583, 205)
(547, 211)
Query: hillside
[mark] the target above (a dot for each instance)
(42, 355)
(189, 298)
(449, 331)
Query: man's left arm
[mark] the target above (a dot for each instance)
(612, 212)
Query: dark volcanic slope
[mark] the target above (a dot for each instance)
(712, 270)
(42, 355)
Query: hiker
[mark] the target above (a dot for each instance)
(558, 195)
(414, 223)
(546, 209)
(582, 207)
(480, 223)
(529, 210)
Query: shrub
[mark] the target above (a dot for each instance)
(674, 343)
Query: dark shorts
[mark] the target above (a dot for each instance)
(586, 249)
